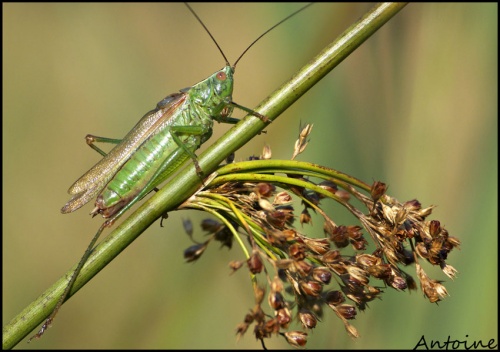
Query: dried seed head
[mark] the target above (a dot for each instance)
(297, 251)
(312, 196)
(188, 226)
(308, 319)
(276, 300)
(282, 198)
(381, 271)
(334, 298)
(412, 205)
(289, 234)
(401, 216)
(265, 189)
(235, 265)
(354, 232)
(296, 338)
(378, 190)
(277, 284)
(311, 288)
(301, 143)
(434, 228)
(195, 251)
(266, 152)
(259, 293)
(265, 205)
(331, 256)
(329, 186)
(284, 263)
(452, 242)
(210, 225)
(367, 260)
(272, 326)
(351, 330)
(322, 274)
(283, 317)
(358, 274)
(450, 271)
(305, 217)
(303, 267)
(359, 245)
(410, 281)
(224, 236)
(255, 263)
(276, 237)
(279, 218)
(241, 329)
(398, 282)
(432, 289)
(317, 245)
(343, 194)
(340, 236)
(423, 213)
(347, 311)
(260, 332)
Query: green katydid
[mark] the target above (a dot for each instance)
(155, 148)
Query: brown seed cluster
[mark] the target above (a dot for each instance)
(304, 276)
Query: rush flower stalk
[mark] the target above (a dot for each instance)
(297, 277)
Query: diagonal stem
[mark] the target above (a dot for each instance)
(186, 183)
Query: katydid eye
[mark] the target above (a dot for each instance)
(221, 76)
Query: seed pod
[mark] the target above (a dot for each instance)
(282, 198)
(307, 319)
(264, 189)
(297, 251)
(311, 288)
(322, 274)
(296, 338)
(195, 251)
(255, 263)
(283, 317)
(334, 298)
(347, 311)
(276, 300)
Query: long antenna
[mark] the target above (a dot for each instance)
(270, 29)
(255, 41)
(210, 34)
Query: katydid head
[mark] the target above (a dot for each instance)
(214, 93)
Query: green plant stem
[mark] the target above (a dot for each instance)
(287, 166)
(182, 186)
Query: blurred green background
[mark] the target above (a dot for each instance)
(415, 106)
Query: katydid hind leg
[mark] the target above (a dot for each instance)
(69, 285)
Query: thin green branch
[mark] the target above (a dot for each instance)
(288, 166)
(187, 182)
